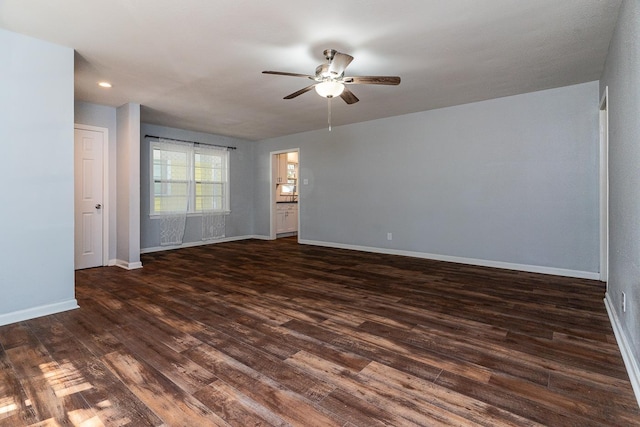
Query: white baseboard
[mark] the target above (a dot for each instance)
(112, 262)
(461, 260)
(199, 243)
(260, 237)
(33, 312)
(625, 348)
(128, 265)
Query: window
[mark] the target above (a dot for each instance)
(188, 179)
(290, 187)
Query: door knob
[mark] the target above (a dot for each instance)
(98, 206)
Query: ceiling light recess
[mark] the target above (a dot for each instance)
(104, 84)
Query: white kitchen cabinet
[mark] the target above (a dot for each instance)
(292, 218)
(280, 174)
(286, 218)
(280, 220)
(292, 157)
(284, 169)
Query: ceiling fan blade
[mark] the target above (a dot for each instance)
(348, 96)
(339, 63)
(300, 92)
(372, 80)
(282, 73)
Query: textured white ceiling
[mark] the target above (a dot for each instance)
(196, 64)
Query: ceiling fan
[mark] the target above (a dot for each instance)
(330, 80)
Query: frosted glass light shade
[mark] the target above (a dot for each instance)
(329, 89)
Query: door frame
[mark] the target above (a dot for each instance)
(105, 186)
(272, 192)
(604, 186)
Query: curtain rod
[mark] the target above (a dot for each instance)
(193, 142)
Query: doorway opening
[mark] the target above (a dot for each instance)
(284, 193)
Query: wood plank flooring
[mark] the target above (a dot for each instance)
(272, 333)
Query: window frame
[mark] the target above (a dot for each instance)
(191, 151)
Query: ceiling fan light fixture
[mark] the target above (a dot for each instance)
(329, 80)
(329, 89)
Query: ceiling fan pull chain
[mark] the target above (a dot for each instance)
(329, 114)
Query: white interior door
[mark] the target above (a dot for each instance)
(89, 189)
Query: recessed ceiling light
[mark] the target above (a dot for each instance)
(104, 84)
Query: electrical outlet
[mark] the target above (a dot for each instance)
(389, 236)
(624, 302)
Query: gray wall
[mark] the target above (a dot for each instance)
(104, 117)
(511, 180)
(36, 219)
(622, 76)
(238, 223)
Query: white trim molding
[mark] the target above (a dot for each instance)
(260, 237)
(461, 260)
(33, 312)
(128, 265)
(604, 185)
(625, 348)
(200, 243)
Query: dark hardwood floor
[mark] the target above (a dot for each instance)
(271, 333)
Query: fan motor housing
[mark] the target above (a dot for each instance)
(323, 72)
